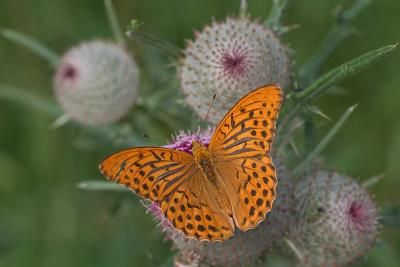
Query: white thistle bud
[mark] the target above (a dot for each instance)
(336, 220)
(96, 82)
(230, 59)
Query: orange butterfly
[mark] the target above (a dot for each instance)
(229, 184)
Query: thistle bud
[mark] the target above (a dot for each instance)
(336, 220)
(230, 59)
(96, 83)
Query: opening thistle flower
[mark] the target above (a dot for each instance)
(96, 83)
(229, 59)
(336, 220)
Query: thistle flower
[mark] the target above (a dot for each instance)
(96, 82)
(229, 59)
(336, 220)
(244, 247)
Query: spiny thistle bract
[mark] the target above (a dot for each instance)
(244, 247)
(228, 60)
(96, 82)
(336, 220)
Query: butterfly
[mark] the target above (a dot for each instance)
(211, 192)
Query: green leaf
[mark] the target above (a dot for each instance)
(32, 44)
(112, 134)
(325, 141)
(295, 101)
(101, 186)
(340, 31)
(343, 72)
(278, 10)
(29, 99)
(391, 215)
(134, 32)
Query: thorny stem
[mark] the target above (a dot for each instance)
(295, 101)
(342, 72)
(339, 31)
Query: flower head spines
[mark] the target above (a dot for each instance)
(229, 59)
(96, 82)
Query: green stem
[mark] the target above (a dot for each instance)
(340, 31)
(309, 132)
(32, 44)
(164, 46)
(325, 141)
(243, 9)
(278, 10)
(113, 20)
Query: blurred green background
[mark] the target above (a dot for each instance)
(46, 221)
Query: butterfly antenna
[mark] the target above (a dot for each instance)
(205, 117)
(209, 107)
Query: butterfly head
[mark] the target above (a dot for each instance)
(202, 156)
(197, 148)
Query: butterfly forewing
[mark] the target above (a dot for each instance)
(152, 172)
(241, 144)
(248, 128)
(169, 178)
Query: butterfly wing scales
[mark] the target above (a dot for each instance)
(190, 211)
(241, 144)
(152, 172)
(168, 177)
(254, 188)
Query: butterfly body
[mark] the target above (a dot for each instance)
(206, 163)
(210, 191)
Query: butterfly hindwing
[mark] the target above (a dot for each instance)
(190, 211)
(254, 182)
(152, 172)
